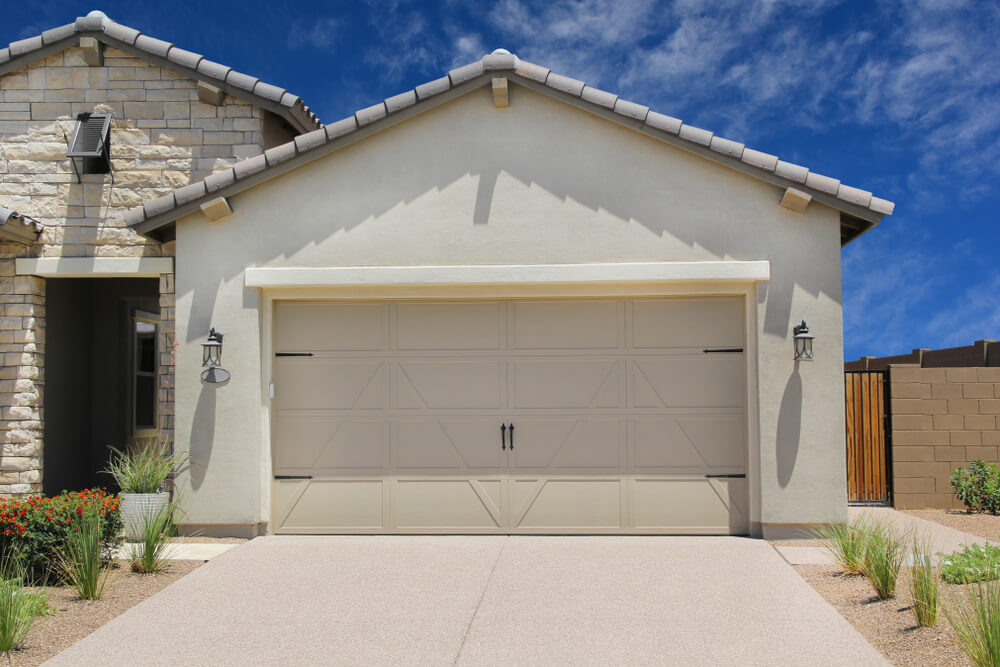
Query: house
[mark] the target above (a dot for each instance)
(508, 302)
(86, 304)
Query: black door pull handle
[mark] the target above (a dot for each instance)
(512, 436)
(503, 437)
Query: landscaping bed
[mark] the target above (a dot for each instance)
(888, 625)
(71, 619)
(986, 526)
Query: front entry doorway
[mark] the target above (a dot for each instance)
(100, 375)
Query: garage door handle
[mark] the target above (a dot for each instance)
(512, 436)
(723, 349)
(739, 476)
(503, 437)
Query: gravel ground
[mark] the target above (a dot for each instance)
(887, 625)
(73, 619)
(986, 526)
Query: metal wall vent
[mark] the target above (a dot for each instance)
(91, 142)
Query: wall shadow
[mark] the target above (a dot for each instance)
(632, 181)
(789, 431)
(202, 435)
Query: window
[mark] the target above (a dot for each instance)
(144, 364)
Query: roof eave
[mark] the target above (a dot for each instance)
(295, 115)
(152, 224)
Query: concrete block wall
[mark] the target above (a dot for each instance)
(942, 419)
(162, 137)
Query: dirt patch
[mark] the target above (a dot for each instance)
(887, 625)
(986, 526)
(73, 619)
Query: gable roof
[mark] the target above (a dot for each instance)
(860, 210)
(272, 98)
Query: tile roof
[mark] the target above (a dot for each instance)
(97, 25)
(861, 209)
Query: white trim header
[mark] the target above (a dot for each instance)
(508, 274)
(94, 267)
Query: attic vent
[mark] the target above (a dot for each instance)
(91, 143)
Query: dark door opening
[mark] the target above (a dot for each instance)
(100, 375)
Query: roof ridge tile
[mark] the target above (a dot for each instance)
(695, 135)
(599, 97)
(157, 47)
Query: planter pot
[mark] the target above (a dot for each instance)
(135, 509)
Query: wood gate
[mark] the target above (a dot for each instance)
(868, 464)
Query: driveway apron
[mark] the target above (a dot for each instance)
(440, 600)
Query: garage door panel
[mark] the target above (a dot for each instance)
(622, 424)
(320, 327)
(328, 505)
(448, 505)
(330, 444)
(548, 325)
(687, 323)
(689, 442)
(710, 382)
(564, 444)
(561, 504)
(450, 384)
(444, 443)
(449, 326)
(695, 505)
(566, 383)
(329, 384)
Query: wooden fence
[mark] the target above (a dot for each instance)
(868, 465)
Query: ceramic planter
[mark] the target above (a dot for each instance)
(137, 508)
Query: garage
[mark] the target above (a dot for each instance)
(526, 416)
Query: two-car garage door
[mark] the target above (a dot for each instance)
(571, 416)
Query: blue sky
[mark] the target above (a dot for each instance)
(900, 98)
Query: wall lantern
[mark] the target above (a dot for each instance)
(211, 359)
(803, 342)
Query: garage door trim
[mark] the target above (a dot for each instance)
(741, 289)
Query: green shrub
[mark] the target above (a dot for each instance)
(923, 583)
(978, 487)
(142, 469)
(80, 560)
(976, 620)
(845, 539)
(150, 554)
(972, 564)
(883, 557)
(36, 528)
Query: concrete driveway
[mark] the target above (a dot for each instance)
(484, 600)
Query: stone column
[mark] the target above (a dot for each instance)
(22, 344)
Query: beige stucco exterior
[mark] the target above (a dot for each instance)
(539, 183)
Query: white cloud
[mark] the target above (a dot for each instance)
(318, 33)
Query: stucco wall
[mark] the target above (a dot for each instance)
(540, 182)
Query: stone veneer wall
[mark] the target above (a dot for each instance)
(942, 418)
(162, 138)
